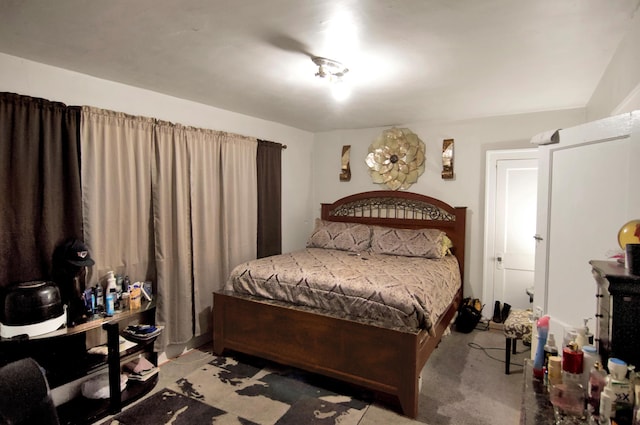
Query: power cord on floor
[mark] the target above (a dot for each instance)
(477, 346)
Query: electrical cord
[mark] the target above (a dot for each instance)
(477, 346)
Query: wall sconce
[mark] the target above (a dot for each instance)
(447, 159)
(345, 168)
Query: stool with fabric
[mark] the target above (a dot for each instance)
(518, 325)
(24, 395)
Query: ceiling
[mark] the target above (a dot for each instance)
(408, 60)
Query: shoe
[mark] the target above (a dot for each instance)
(497, 318)
(506, 308)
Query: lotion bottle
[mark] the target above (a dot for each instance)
(607, 404)
(581, 338)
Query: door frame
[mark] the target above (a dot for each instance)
(491, 179)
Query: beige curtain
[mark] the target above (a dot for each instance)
(172, 230)
(205, 209)
(223, 213)
(172, 204)
(240, 194)
(116, 153)
(209, 255)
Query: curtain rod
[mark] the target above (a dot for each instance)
(282, 146)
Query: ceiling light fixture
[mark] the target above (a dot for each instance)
(330, 69)
(334, 72)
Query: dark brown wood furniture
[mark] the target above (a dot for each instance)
(618, 304)
(383, 360)
(81, 410)
(64, 357)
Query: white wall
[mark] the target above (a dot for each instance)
(311, 164)
(619, 88)
(472, 139)
(29, 78)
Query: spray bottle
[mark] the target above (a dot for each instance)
(110, 296)
(542, 326)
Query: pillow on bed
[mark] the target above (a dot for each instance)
(427, 243)
(343, 236)
(447, 244)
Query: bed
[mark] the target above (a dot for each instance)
(385, 358)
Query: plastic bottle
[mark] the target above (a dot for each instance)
(587, 332)
(99, 298)
(126, 283)
(550, 349)
(572, 364)
(636, 406)
(110, 294)
(581, 339)
(589, 357)
(607, 404)
(597, 382)
(537, 313)
(93, 302)
(542, 325)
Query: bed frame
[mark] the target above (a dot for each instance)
(384, 360)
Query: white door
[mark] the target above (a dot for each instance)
(588, 188)
(510, 223)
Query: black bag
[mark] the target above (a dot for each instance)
(468, 315)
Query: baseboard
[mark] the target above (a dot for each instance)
(496, 326)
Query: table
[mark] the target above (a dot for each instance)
(536, 408)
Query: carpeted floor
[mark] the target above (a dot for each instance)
(463, 383)
(468, 370)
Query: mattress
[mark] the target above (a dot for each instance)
(398, 292)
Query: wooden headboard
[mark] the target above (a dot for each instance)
(405, 210)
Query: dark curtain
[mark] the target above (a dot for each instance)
(269, 165)
(40, 201)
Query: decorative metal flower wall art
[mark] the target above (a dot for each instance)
(396, 158)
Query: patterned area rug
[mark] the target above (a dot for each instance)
(247, 391)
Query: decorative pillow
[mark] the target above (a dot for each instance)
(427, 243)
(447, 244)
(343, 236)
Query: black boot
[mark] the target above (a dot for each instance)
(497, 318)
(506, 308)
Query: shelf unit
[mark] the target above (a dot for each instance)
(618, 307)
(63, 354)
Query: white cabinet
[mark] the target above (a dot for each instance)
(588, 186)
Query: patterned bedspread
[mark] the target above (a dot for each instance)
(406, 293)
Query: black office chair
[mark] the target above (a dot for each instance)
(24, 395)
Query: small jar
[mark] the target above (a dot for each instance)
(554, 370)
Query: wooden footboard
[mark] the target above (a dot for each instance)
(379, 359)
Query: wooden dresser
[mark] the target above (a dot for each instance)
(617, 333)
